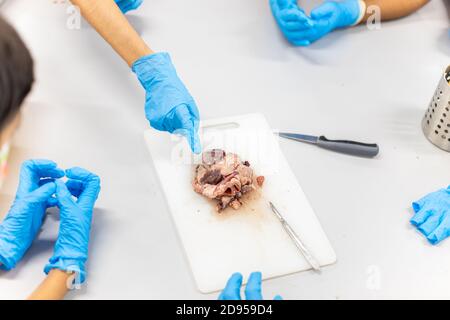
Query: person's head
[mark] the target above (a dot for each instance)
(16, 77)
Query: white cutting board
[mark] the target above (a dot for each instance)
(250, 239)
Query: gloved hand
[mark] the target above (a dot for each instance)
(301, 30)
(24, 219)
(169, 106)
(71, 248)
(127, 5)
(295, 25)
(432, 216)
(252, 291)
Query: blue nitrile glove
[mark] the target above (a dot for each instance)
(127, 5)
(432, 216)
(71, 248)
(24, 219)
(168, 106)
(292, 21)
(252, 291)
(301, 30)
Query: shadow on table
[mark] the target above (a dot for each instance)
(405, 129)
(312, 53)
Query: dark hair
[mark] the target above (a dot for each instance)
(16, 72)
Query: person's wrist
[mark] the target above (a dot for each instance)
(68, 265)
(151, 62)
(151, 66)
(153, 57)
(139, 53)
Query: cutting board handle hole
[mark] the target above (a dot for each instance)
(221, 126)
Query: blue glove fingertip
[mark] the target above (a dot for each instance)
(253, 288)
(257, 275)
(77, 173)
(128, 5)
(416, 206)
(62, 193)
(285, 4)
(430, 224)
(195, 143)
(196, 148)
(41, 167)
(441, 232)
(235, 280)
(421, 216)
(43, 193)
(302, 43)
(52, 202)
(82, 174)
(75, 187)
(233, 288)
(432, 239)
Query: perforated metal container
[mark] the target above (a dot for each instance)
(436, 122)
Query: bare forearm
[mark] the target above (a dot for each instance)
(394, 9)
(106, 17)
(54, 287)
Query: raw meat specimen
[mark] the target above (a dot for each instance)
(224, 177)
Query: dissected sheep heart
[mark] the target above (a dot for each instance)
(224, 177)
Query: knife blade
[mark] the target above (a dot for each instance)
(349, 147)
(299, 137)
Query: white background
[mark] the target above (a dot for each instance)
(86, 109)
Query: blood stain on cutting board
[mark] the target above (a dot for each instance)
(255, 210)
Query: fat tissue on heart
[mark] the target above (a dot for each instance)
(225, 178)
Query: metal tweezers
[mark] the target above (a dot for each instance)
(295, 238)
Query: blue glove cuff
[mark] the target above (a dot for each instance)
(72, 265)
(153, 68)
(362, 12)
(351, 14)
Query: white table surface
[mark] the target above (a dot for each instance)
(86, 109)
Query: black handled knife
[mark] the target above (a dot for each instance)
(353, 148)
